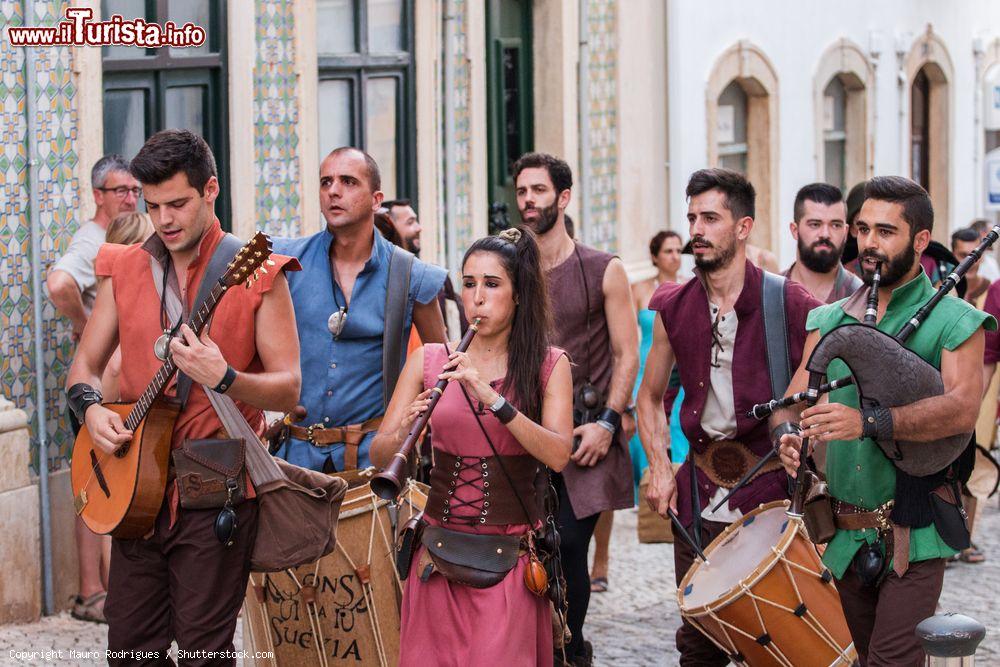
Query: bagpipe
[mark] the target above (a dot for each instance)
(886, 374)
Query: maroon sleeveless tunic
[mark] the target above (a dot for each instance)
(608, 485)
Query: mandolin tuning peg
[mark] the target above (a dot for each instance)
(263, 270)
(257, 253)
(270, 262)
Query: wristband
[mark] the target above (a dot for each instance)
(612, 417)
(607, 426)
(876, 423)
(81, 396)
(503, 410)
(226, 382)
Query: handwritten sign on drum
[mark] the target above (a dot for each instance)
(343, 609)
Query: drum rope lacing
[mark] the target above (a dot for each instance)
(311, 610)
(770, 646)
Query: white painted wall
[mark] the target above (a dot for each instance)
(794, 34)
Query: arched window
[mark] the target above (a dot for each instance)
(929, 71)
(920, 96)
(842, 89)
(731, 128)
(835, 133)
(742, 124)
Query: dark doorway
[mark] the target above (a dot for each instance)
(509, 101)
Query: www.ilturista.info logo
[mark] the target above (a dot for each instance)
(79, 29)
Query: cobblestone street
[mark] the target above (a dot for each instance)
(632, 624)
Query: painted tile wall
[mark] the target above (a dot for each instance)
(57, 216)
(276, 118)
(603, 123)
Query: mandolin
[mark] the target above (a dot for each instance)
(121, 493)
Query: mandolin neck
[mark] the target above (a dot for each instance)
(167, 370)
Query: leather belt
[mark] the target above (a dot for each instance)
(351, 435)
(897, 546)
(851, 517)
(725, 462)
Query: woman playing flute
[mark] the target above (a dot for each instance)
(506, 412)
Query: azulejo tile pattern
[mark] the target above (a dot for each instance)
(57, 129)
(602, 119)
(459, 52)
(276, 139)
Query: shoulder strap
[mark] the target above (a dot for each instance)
(224, 253)
(776, 333)
(397, 292)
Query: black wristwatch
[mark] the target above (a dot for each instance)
(226, 382)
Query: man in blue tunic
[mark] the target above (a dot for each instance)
(340, 299)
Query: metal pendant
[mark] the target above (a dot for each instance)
(336, 322)
(161, 348)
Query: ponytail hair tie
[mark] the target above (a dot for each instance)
(511, 235)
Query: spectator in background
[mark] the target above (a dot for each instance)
(383, 223)
(126, 229)
(984, 297)
(72, 287)
(988, 267)
(404, 218)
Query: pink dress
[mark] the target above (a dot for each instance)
(452, 625)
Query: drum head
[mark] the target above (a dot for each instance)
(737, 556)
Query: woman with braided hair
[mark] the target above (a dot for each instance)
(506, 413)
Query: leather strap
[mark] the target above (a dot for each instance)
(779, 364)
(224, 253)
(851, 517)
(394, 335)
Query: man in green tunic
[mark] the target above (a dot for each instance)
(884, 604)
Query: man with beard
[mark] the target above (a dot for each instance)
(713, 329)
(890, 576)
(820, 230)
(594, 322)
(405, 220)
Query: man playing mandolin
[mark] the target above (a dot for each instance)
(184, 580)
(892, 529)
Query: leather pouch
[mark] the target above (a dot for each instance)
(817, 512)
(207, 470)
(950, 519)
(479, 561)
(407, 542)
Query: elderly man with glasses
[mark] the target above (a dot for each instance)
(72, 287)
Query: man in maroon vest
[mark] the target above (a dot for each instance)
(713, 328)
(594, 322)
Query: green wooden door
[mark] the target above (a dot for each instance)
(509, 101)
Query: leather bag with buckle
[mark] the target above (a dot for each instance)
(475, 560)
(207, 470)
(817, 511)
(407, 543)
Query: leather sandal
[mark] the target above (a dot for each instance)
(90, 609)
(599, 585)
(972, 555)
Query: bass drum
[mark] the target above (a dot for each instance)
(344, 608)
(765, 597)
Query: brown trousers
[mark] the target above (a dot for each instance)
(696, 649)
(883, 619)
(180, 584)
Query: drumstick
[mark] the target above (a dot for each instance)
(746, 478)
(686, 536)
